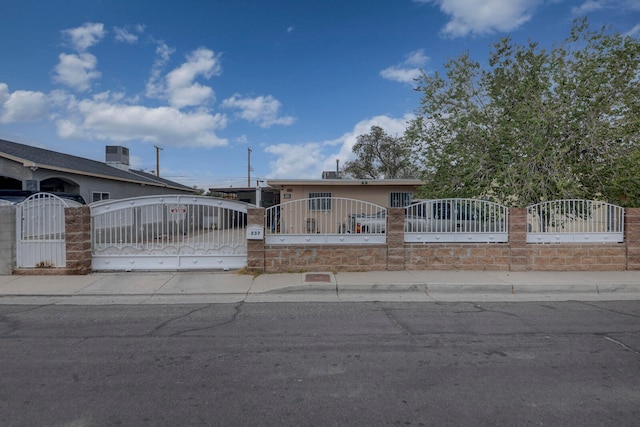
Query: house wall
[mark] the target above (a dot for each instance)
(378, 194)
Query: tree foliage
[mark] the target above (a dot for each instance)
(379, 155)
(536, 124)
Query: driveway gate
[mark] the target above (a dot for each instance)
(168, 233)
(40, 231)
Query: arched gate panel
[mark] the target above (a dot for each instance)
(172, 232)
(40, 230)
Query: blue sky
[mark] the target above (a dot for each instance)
(296, 81)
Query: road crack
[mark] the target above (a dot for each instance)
(621, 344)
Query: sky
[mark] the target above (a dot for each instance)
(294, 81)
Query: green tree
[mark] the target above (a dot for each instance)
(379, 155)
(536, 124)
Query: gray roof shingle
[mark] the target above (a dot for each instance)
(55, 160)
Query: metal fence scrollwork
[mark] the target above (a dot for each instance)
(333, 220)
(578, 221)
(456, 220)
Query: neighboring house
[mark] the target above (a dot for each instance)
(383, 192)
(23, 167)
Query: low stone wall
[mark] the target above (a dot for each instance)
(576, 257)
(441, 256)
(293, 258)
(516, 255)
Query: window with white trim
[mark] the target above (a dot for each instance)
(400, 199)
(319, 201)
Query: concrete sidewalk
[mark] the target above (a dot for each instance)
(230, 287)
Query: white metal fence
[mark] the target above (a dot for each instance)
(169, 232)
(575, 221)
(325, 220)
(456, 220)
(40, 231)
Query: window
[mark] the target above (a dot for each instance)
(96, 196)
(319, 201)
(400, 199)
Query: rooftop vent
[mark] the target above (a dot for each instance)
(330, 175)
(118, 157)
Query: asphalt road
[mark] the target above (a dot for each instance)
(305, 364)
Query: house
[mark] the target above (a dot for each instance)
(24, 167)
(384, 192)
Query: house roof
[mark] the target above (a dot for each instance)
(343, 182)
(52, 160)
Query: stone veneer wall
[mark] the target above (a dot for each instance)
(632, 237)
(7, 239)
(516, 255)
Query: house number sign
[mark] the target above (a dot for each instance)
(255, 232)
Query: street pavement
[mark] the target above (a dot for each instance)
(233, 287)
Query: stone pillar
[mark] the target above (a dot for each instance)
(78, 240)
(7, 239)
(632, 237)
(255, 248)
(518, 239)
(395, 239)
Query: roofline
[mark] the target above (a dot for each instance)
(344, 182)
(28, 164)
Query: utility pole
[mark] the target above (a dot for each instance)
(158, 149)
(249, 168)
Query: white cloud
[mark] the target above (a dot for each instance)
(634, 31)
(22, 105)
(154, 87)
(308, 160)
(181, 88)
(417, 58)
(104, 119)
(399, 74)
(76, 71)
(261, 110)
(296, 161)
(484, 16)
(588, 7)
(85, 36)
(408, 70)
(125, 36)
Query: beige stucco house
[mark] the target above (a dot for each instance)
(383, 192)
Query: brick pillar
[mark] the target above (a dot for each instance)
(255, 248)
(632, 237)
(518, 239)
(395, 239)
(78, 240)
(7, 239)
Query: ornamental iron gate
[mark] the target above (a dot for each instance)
(170, 232)
(40, 231)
